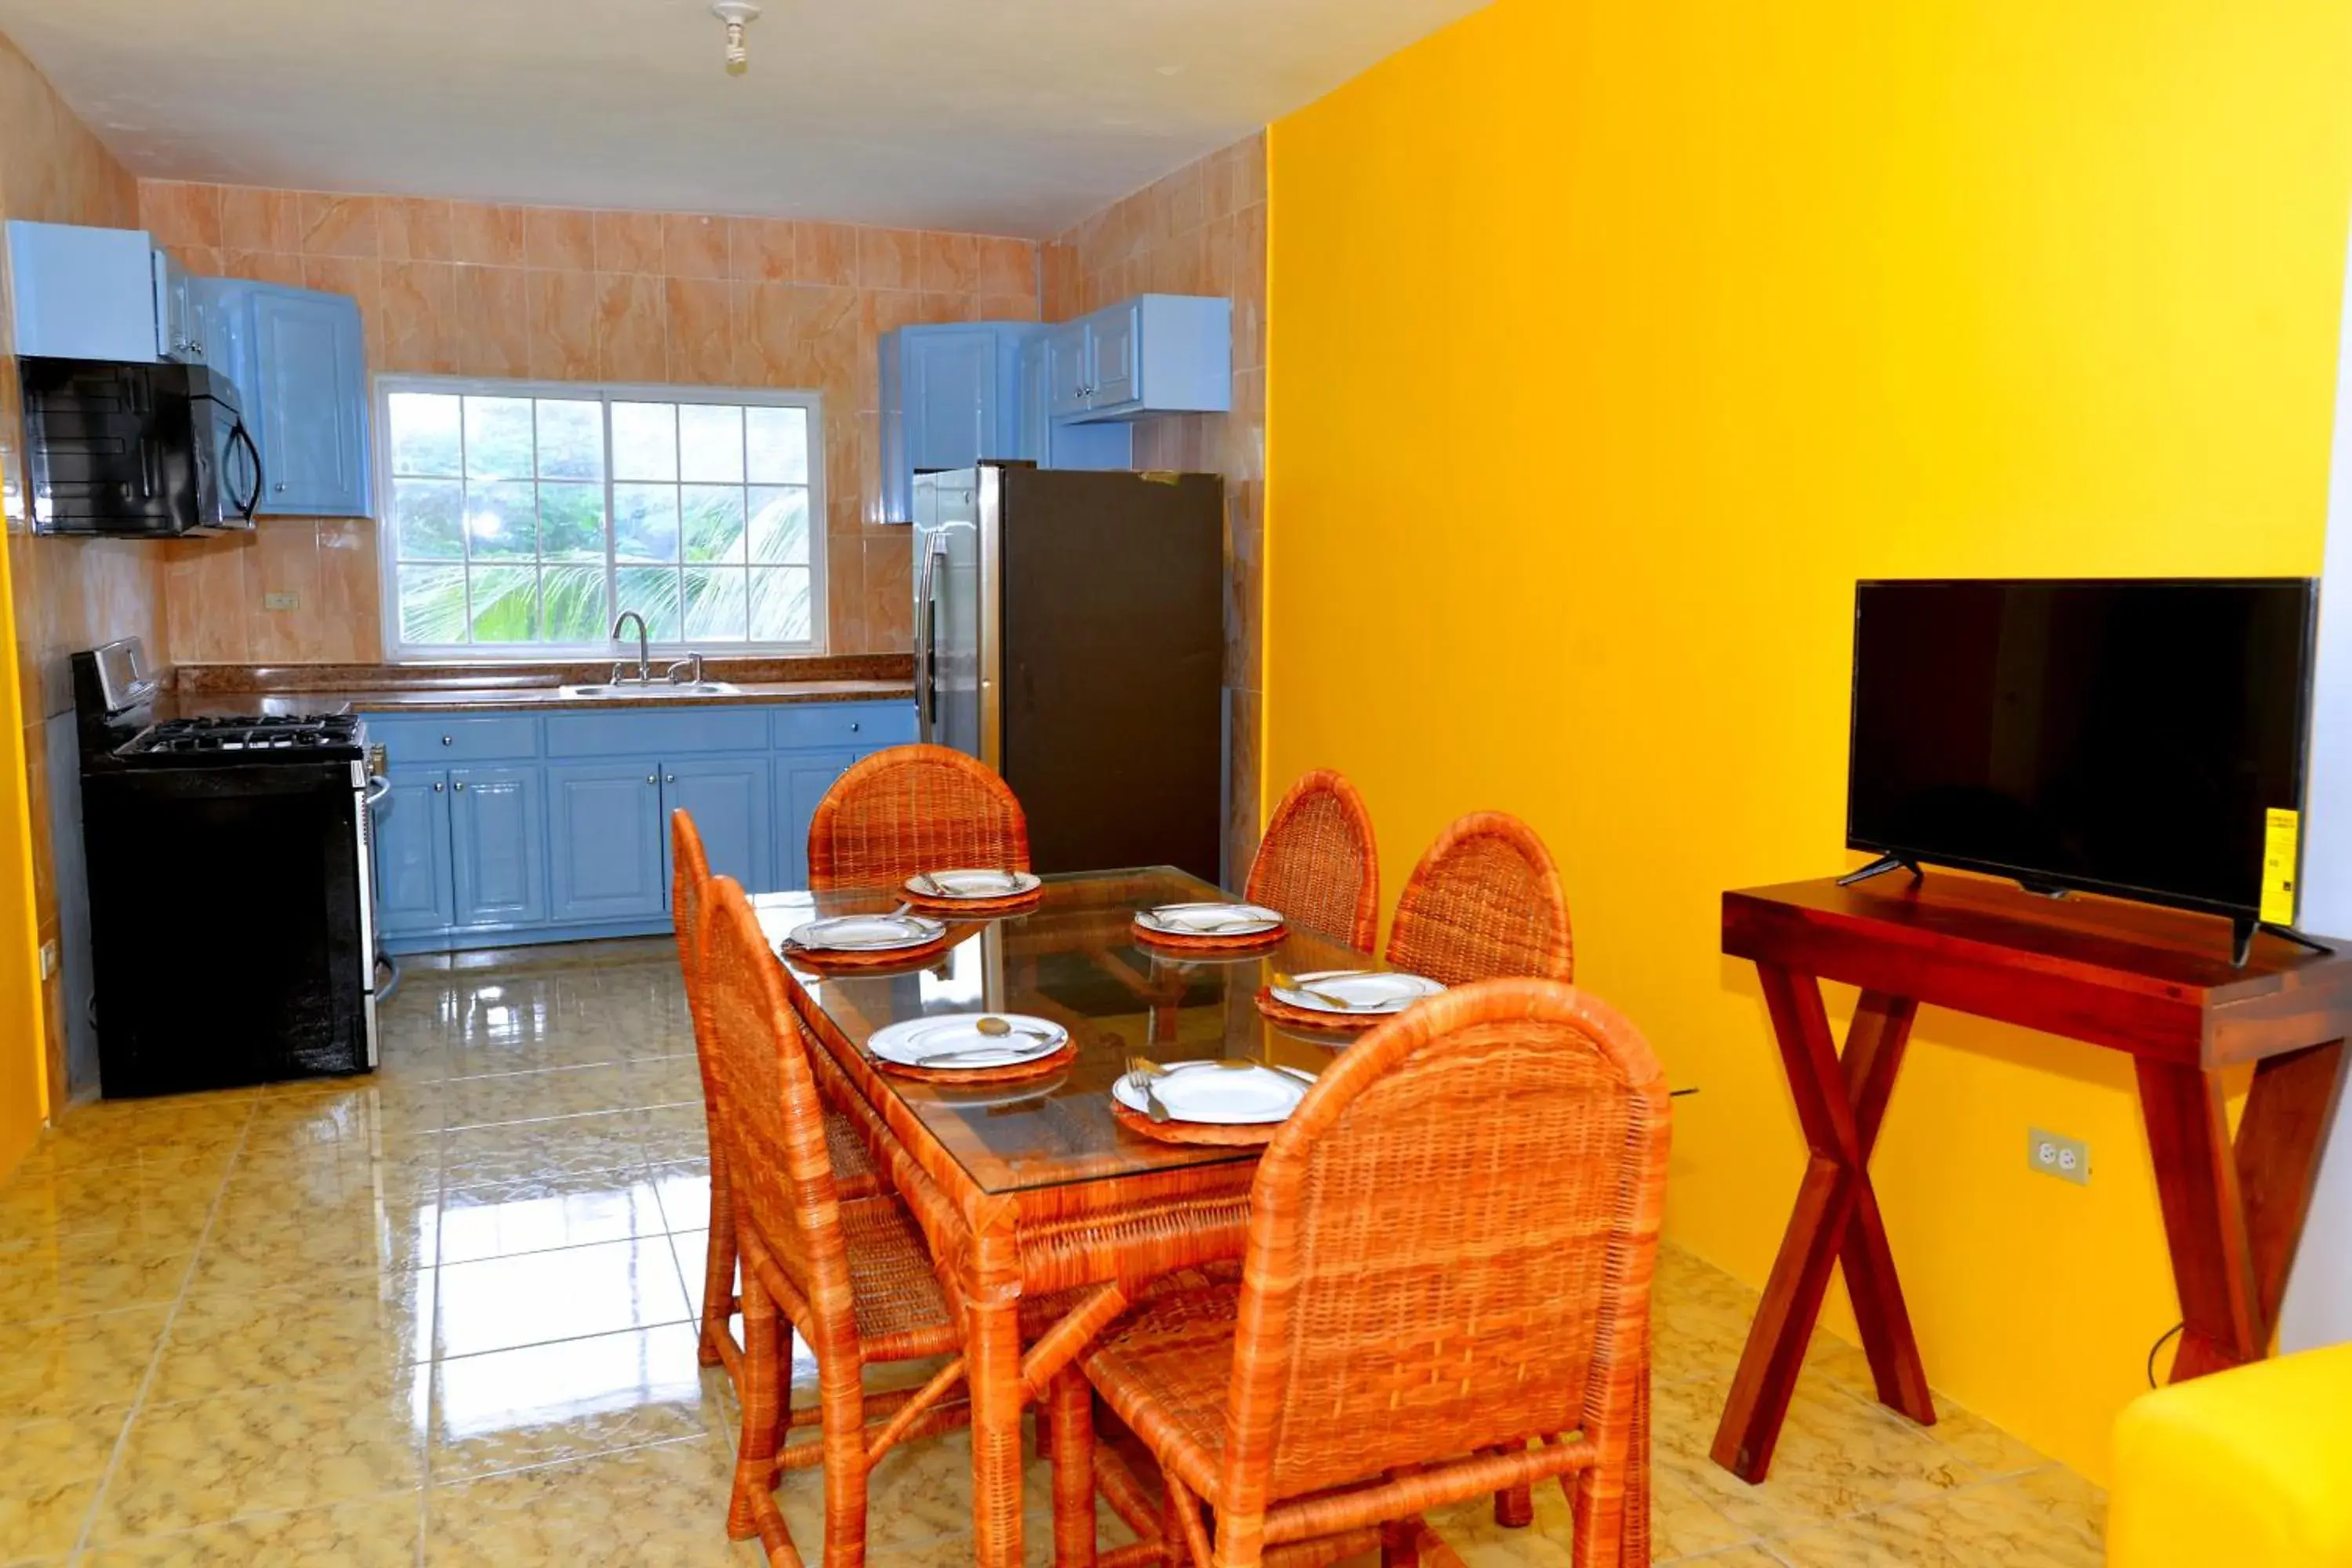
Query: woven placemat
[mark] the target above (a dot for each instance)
(825, 960)
(1282, 1011)
(1012, 1072)
(1251, 1137)
(1250, 943)
(930, 904)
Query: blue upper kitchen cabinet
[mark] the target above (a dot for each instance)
(1156, 354)
(84, 293)
(497, 877)
(297, 358)
(1063, 444)
(950, 395)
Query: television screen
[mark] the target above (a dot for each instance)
(2122, 737)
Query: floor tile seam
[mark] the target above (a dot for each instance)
(154, 1360)
(665, 1231)
(440, 1358)
(537, 1121)
(637, 1164)
(455, 1482)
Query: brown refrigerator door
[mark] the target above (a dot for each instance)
(1112, 656)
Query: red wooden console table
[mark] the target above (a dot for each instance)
(2156, 983)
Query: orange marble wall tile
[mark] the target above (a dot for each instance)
(889, 593)
(769, 350)
(337, 225)
(890, 259)
(420, 328)
(950, 264)
(1001, 266)
(493, 321)
(628, 242)
(416, 229)
(563, 238)
(632, 325)
(760, 249)
(701, 331)
(845, 596)
(252, 219)
(562, 334)
(263, 267)
(205, 600)
(485, 233)
(348, 617)
(694, 246)
(175, 214)
(824, 253)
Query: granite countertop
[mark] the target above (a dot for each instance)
(448, 687)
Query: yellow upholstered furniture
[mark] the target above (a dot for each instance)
(2251, 1469)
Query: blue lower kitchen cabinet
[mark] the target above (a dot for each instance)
(728, 800)
(413, 888)
(800, 781)
(605, 841)
(499, 880)
(509, 828)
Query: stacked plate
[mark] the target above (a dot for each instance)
(1209, 922)
(1216, 1094)
(975, 886)
(968, 1042)
(1353, 992)
(865, 933)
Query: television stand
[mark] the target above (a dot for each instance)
(2149, 982)
(2242, 939)
(1879, 868)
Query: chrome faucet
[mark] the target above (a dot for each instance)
(645, 656)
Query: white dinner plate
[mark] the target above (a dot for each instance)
(1220, 1097)
(918, 1042)
(971, 884)
(1209, 919)
(1366, 993)
(865, 933)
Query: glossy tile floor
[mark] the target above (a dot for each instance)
(444, 1318)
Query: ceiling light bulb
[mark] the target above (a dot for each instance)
(738, 14)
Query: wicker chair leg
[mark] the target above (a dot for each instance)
(1070, 1403)
(1184, 1540)
(760, 1398)
(719, 1264)
(1514, 1506)
(1400, 1543)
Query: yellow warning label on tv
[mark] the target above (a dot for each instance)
(2281, 830)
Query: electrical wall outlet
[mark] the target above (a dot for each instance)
(2055, 1154)
(281, 601)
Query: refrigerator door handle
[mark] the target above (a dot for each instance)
(926, 696)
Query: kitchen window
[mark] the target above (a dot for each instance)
(520, 520)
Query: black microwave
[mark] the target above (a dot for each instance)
(137, 451)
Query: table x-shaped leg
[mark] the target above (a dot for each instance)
(1841, 1103)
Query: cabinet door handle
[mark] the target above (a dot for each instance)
(436, 787)
(446, 739)
(653, 778)
(460, 786)
(280, 487)
(669, 778)
(853, 726)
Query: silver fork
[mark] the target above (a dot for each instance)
(1138, 1078)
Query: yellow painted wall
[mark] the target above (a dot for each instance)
(1612, 341)
(24, 1088)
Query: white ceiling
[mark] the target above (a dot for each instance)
(1017, 116)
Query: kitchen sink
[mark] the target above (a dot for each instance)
(656, 688)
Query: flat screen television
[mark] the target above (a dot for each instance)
(2120, 737)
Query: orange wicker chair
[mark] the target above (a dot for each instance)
(853, 1277)
(1448, 1266)
(914, 808)
(1317, 863)
(852, 1170)
(1485, 902)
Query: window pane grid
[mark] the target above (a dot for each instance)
(706, 532)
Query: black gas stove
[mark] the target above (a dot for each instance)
(247, 738)
(232, 919)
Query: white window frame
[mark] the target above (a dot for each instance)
(397, 651)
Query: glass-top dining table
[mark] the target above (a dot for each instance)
(1032, 1188)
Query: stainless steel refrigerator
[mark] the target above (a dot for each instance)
(1069, 632)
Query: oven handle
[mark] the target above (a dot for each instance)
(378, 787)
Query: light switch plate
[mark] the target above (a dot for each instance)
(2055, 1154)
(281, 601)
